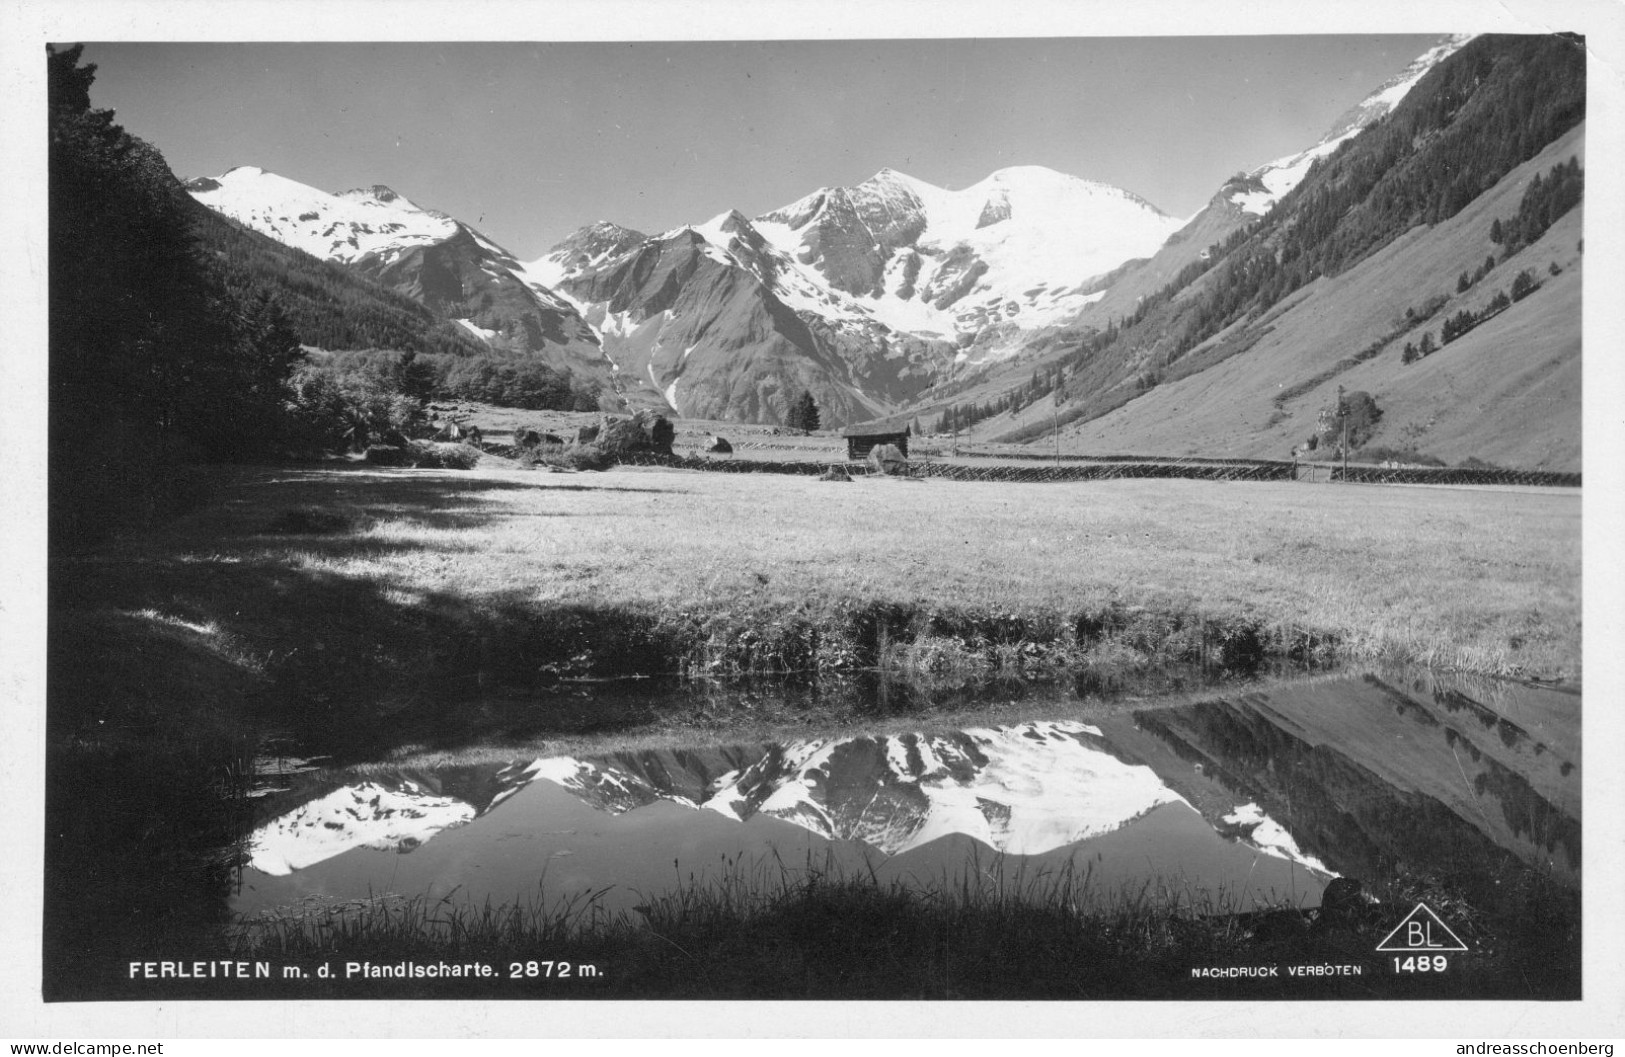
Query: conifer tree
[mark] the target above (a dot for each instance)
(803, 413)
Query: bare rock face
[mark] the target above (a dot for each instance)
(997, 209)
(463, 277)
(853, 231)
(593, 245)
(703, 326)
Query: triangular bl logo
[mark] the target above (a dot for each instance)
(1421, 932)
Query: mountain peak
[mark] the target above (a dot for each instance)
(1030, 172)
(889, 175)
(380, 192)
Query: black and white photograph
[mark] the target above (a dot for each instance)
(714, 514)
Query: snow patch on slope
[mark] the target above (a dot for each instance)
(477, 330)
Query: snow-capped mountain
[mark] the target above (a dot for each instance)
(427, 255)
(867, 296)
(338, 227)
(861, 294)
(1018, 245)
(715, 322)
(1266, 184)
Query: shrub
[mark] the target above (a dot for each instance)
(1359, 413)
(574, 457)
(424, 455)
(332, 406)
(389, 455)
(442, 456)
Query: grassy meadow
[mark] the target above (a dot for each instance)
(398, 578)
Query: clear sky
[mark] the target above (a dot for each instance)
(529, 142)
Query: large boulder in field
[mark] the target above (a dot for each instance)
(645, 431)
(719, 446)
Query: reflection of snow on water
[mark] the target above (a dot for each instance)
(1210, 815)
(1269, 837)
(366, 815)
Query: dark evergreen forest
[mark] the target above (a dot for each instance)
(153, 361)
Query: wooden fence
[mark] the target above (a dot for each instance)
(1094, 468)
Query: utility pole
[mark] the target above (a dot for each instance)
(1055, 412)
(1343, 417)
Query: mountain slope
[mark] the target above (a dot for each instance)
(434, 259)
(1240, 359)
(1236, 205)
(1507, 393)
(727, 332)
(328, 305)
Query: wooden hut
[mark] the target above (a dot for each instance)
(865, 435)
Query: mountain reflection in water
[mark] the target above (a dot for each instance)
(1259, 796)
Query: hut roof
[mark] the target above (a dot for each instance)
(880, 427)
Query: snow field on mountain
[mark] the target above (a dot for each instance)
(341, 227)
(1057, 231)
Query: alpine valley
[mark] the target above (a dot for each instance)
(1035, 302)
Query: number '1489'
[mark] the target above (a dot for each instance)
(1423, 963)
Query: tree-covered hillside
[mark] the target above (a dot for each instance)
(1483, 111)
